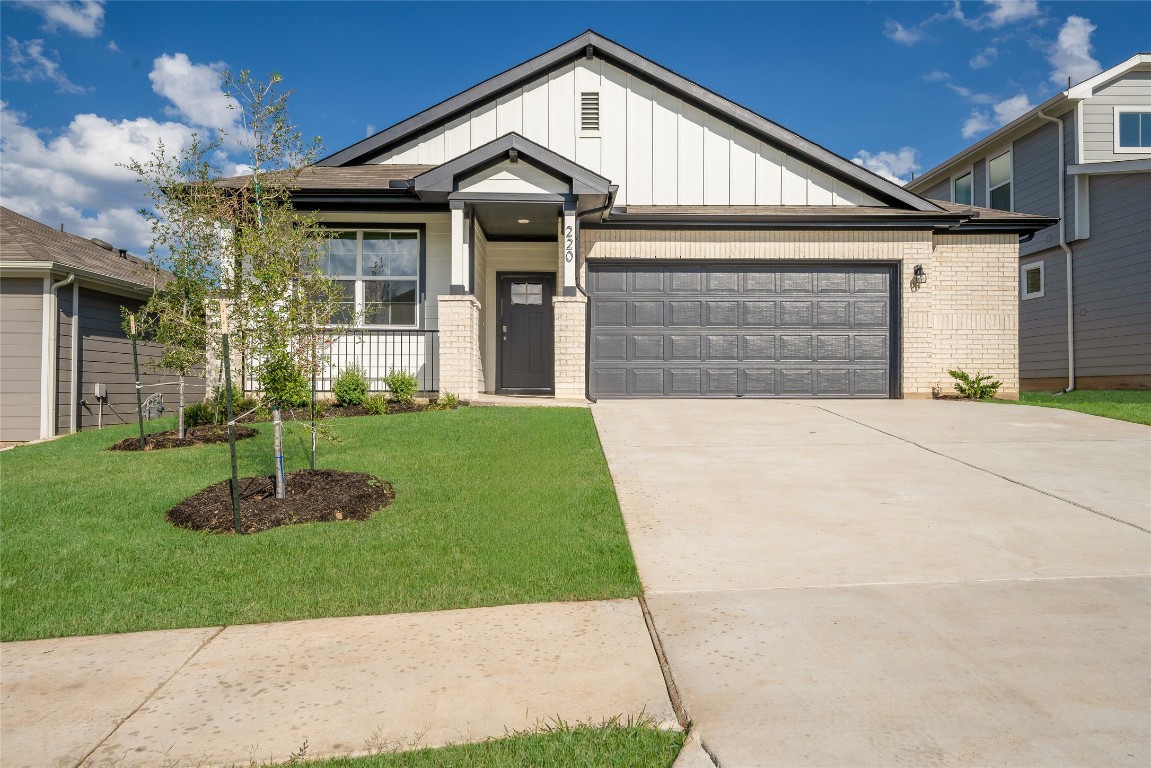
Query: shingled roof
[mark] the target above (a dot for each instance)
(27, 240)
(356, 177)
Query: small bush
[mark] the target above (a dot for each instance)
(214, 410)
(351, 386)
(376, 405)
(445, 401)
(197, 414)
(402, 386)
(975, 387)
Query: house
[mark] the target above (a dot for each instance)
(591, 224)
(1083, 156)
(65, 361)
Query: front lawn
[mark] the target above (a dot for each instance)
(493, 506)
(1126, 405)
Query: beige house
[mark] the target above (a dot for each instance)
(590, 224)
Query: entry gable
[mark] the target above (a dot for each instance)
(661, 138)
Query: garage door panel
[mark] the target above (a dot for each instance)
(755, 330)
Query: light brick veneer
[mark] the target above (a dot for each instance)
(965, 316)
(459, 345)
(570, 345)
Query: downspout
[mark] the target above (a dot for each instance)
(587, 325)
(54, 332)
(75, 394)
(1060, 176)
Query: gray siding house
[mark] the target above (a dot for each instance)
(1094, 330)
(60, 332)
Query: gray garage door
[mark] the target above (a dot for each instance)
(696, 330)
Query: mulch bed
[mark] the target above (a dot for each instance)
(313, 496)
(359, 410)
(202, 435)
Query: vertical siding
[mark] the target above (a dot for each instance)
(1134, 90)
(702, 159)
(21, 321)
(480, 290)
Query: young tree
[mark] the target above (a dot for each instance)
(242, 240)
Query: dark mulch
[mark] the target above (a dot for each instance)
(202, 435)
(313, 496)
(359, 410)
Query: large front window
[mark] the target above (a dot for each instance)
(378, 274)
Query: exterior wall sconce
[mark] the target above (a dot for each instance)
(918, 276)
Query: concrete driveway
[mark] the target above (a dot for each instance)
(895, 582)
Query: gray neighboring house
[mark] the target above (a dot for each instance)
(61, 335)
(1105, 203)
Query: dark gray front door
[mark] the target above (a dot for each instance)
(701, 330)
(525, 338)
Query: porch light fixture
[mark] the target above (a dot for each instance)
(524, 221)
(918, 276)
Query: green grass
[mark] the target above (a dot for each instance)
(636, 746)
(1125, 405)
(493, 506)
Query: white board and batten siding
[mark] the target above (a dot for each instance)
(659, 149)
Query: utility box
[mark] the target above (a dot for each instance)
(99, 391)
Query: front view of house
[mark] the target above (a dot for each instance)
(590, 224)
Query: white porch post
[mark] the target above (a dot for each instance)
(570, 315)
(460, 317)
(568, 244)
(461, 256)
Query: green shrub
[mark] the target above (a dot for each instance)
(214, 410)
(975, 387)
(197, 414)
(445, 401)
(376, 405)
(284, 384)
(402, 386)
(351, 386)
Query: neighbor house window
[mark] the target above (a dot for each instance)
(1031, 280)
(999, 182)
(1132, 130)
(378, 274)
(961, 189)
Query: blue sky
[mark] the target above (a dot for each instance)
(896, 86)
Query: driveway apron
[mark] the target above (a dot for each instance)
(894, 582)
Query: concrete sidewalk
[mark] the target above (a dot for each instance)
(218, 696)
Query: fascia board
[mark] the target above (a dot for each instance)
(1086, 89)
(1136, 165)
(113, 284)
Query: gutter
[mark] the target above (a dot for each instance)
(587, 315)
(53, 330)
(1060, 176)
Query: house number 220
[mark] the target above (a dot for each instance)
(569, 243)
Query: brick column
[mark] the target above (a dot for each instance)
(570, 345)
(459, 345)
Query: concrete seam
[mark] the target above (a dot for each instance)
(664, 667)
(149, 697)
(988, 471)
(711, 755)
(902, 584)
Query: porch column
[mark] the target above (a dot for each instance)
(459, 352)
(569, 244)
(570, 345)
(461, 251)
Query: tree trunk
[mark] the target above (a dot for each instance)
(278, 443)
(180, 426)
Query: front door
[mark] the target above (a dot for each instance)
(524, 333)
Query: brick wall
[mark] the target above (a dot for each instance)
(459, 362)
(570, 345)
(965, 316)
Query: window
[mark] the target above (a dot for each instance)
(999, 182)
(589, 111)
(1031, 280)
(378, 274)
(961, 189)
(1132, 130)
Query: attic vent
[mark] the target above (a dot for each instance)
(589, 111)
(102, 243)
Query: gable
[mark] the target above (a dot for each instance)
(661, 139)
(514, 178)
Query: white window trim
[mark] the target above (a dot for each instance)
(1010, 176)
(969, 172)
(358, 278)
(1115, 131)
(1023, 270)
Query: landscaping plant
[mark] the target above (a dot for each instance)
(975, 387)
(402, 386)
(351, 387)
(376, 405)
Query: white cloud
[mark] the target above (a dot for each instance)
(73, 178)
(901, 34)
(973, 96)
(1070, 55)
(194, 89)
(984, 58)
(369, 129)
(85, 18)
(936, 76)
(976, 124)
(896, 167)
(1003, 12)
(113, 47)
(30, 62)
(1009, 109)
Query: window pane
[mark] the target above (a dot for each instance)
(527, 293)
(390, 302)
(1145, 129)
(1034, 280)
(391, 253)
(963, 189)
(1001, 198)
(341, 258)
(403, 314)
(999, 170)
